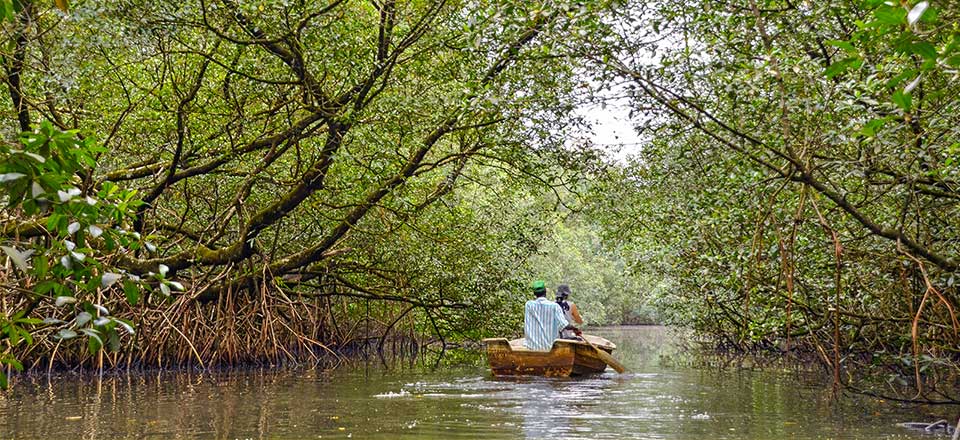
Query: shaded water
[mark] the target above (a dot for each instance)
(658, 398)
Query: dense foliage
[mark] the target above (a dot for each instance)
(213, 182)
(800, 183)
(270, 181)
(574, 253)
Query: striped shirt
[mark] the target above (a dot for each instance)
(542, 321)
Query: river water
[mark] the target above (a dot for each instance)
(661, 396)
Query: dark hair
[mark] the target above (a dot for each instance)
(539, 292)
(563, 291)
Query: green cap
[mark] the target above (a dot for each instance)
(539, 285)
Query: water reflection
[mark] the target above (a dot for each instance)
(661, 397)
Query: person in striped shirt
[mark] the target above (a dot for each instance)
(542, 320)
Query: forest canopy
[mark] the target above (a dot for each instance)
(219, 182)
(258, 171)
(799, 183)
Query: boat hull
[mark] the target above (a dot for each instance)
(566, 358)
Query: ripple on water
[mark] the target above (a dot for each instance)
(650, 402)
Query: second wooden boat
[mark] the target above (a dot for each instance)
(566, 358)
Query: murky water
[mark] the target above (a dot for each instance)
(656, 399)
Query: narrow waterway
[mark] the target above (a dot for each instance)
(660, 397)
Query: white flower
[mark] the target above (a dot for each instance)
(73, 228)
(94, 230)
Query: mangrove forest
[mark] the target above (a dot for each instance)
(204, 184)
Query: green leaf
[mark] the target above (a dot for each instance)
(902, 100)
(895, 81)
(6, 13)
(931, 15)
(132, 291)
(17, 191)
(53, 220)
(845, 45)
(26, 335)
(113, 341)
(45, 287)
(890, 14)
(842, 66)
(871, 127)
(40, 266)
(62, 225)
(30, 207)
(13, 335)
(924, 49)
(109, 243)
(34, 141)
(94, 343)
(13, 362)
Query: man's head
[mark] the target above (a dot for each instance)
(539, 289)
(563, 291)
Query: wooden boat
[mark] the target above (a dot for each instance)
(566, 358)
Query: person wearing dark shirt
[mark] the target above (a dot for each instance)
(570, 311)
